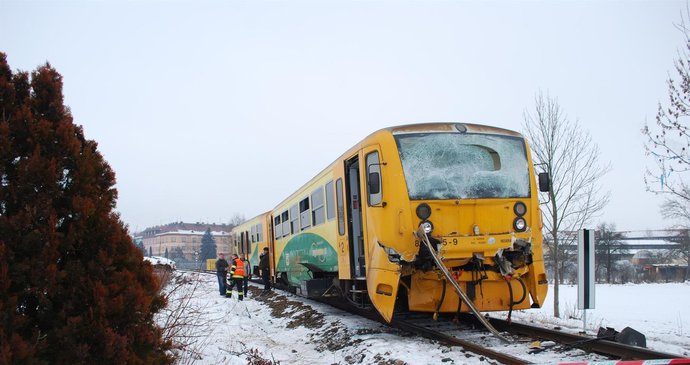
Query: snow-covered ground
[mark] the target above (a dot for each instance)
(286, 329)
(660, 311)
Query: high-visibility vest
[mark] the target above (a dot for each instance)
(237, 270)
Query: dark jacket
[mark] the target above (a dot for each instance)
(222, 266)
(263, 261)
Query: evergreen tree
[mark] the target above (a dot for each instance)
(140, 246)
(177, 254)
(208, 246)
(73, 287)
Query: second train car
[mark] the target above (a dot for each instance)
(358, 229)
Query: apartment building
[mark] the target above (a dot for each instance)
(183, 242)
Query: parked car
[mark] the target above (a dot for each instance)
(161, 262)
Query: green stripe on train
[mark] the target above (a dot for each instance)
(306, 248)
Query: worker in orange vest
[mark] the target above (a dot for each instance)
(236, 278)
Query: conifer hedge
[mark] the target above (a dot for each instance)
(73, 286)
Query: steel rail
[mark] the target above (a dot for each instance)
(589, 344)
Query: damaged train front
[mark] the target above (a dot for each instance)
(475, 242)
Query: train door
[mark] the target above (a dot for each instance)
(344, 257)
(383, 276)
(240, 247)
(271, 246)
(354, 212)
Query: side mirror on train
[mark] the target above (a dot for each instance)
(544, 182)
(374, 183)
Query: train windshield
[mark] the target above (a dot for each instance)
(463, 166)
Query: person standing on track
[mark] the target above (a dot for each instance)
(221, 272)
(236, 278)
(265, 270)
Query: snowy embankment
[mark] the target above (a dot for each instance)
(285, 329)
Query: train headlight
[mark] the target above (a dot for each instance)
(427, 227)
(520, 209)
(423, 211)
(520, 224)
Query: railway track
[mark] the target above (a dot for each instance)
(604, 347)
(413, 326)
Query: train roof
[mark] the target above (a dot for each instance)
(257, 218)
(450, 127)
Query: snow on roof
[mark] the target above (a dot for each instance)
(651, 233)
(646, 242)
(194, 233)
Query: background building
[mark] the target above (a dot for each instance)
(182, 241)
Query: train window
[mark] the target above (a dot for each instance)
(252, 234)
(374, 178)
(317, 207)
(304, 214)
(286, 223)
(261, 232)
(330, 203)
(341, 208)
(278, 227)
(440, 166)
(294, 219)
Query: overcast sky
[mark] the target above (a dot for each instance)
(209, 108)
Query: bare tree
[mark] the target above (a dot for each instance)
(608, 246)
(571, 158)
(237, 219)
(679, 210)
(184, 322)
(668, 142)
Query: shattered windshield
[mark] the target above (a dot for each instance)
(462, 166)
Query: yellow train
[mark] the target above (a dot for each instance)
(371, 226)
(250, 238)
